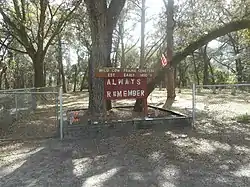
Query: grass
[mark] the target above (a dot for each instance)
(245, 118)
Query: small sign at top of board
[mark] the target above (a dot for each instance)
(123, 72)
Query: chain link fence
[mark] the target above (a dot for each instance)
(221, 103)
(29, 113)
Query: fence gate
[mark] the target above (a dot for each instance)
(29, 113)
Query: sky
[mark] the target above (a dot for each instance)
(154, 8)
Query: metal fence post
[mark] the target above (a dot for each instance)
(193, 102)
(61, 113)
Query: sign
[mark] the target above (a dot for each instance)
(125, 88)
(123, 72)
(125, 83)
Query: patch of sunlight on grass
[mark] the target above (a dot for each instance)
(244, 149)
(243, 171)
(11, 147)
(6, 170)
(98, 180)
(19, 154)
(81, 166)
(46, 106)
(76, 103)
(201, 146)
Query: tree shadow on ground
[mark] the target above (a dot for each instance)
(181, 157)
(49, 164)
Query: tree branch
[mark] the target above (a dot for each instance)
(61, 25)
(178, 57)
(148, 55)
(11, 48)
(129, 49)
(114, 10)
(226, 65)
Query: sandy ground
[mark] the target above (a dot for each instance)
(215, 153)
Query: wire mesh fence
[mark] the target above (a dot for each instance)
(29, 113)
(221, 103)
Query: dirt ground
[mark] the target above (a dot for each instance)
(215, 153)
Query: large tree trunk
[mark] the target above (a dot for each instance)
(121, 31)
(38, 70)
(60, 65)
(84, 79)
(45, 73)
(170, 44)
(90, 85)
(206, 65)
(196, 70)
(103, 20)
(58, 81)
(238, 63)
(143, 23)
(75, 78)
(212, 72)
(239, 69)
(99, 59)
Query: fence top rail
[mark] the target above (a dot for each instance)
(29, 93)
(222, 85)
(28, 89)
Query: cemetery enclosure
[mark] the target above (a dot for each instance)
(221, 107)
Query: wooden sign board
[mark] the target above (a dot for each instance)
(125, 83)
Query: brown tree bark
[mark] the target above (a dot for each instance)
(61, 75)
(143, 24)
(75, 78)
(170, 73)
(38, 61)
(103, 20)
(178, 57)
(84, 79)
(212, 72)
(206, 65)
